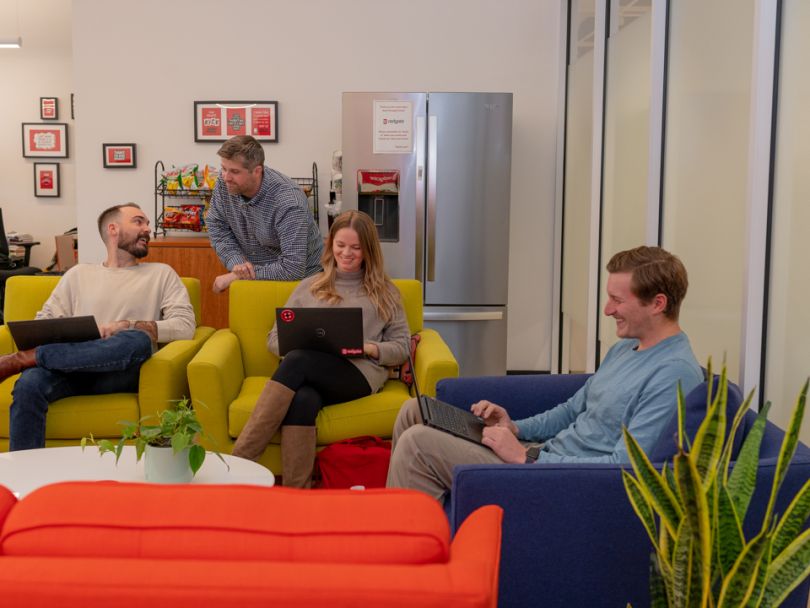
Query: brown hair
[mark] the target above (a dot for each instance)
(111, 214)
(246, 147)
(654, 270)
(379, 288)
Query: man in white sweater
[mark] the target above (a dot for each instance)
(136, 307)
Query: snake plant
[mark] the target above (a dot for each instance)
(693, 511)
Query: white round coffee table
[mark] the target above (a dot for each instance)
(26, 470)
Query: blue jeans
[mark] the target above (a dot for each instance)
(96, 367)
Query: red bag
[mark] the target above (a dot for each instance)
(360, 461)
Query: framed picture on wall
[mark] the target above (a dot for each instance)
(221, 120)
(46, 179)
(48, 108)
(45, 140)
(119, 156)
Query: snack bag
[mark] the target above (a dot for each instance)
(172, 217)
(188, 177)
(191, 217)
(210, 175)
(171, 179)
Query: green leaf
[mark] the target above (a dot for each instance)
(652, 484)
(641, 506)
(696, 510)
(792, 522)
(682, 565)
(786, 452)
(708, 444)
(658, 590)
(140, 446)
(196, 456)
(729, 538)
(787, 571)
(682, 416)
(180, 442)
(739, 416)
(739, 585)
(759, 582)
(742, 481)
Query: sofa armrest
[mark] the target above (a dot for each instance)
(434, 361)
(6, 343)
(564, 527)
(215, 377)
(163, 376)
(521, 395)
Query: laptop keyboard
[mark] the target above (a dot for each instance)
(451, 418)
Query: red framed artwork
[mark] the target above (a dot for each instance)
(48, 108)
(119, 156)
(221, 120)
(45, 140)
(46, 179)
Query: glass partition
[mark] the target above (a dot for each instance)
(577, 195)
(787, 355)
(705, 164)
(626, 145)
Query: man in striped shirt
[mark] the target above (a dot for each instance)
(259, 220)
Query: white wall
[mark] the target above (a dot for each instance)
(138, 67)
(41, 68)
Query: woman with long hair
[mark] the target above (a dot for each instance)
(306, 380)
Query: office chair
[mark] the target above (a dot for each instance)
(8, 267)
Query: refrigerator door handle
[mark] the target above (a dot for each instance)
(437, 315)
(431, 198)
(420, 197)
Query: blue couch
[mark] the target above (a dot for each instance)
(570, 536)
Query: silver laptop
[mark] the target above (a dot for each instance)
(30, 334)
(448, 418)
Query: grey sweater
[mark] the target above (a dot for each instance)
(392, 338)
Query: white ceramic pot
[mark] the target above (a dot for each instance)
(162, 465)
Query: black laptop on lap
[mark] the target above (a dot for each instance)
(334, 330)
(30, 334)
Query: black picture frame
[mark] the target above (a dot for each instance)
(119, 156)
(48, 108)
(45, 140)
(47, 181)
(218, 121)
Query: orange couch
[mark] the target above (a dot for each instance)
(82, 544)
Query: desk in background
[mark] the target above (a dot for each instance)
(194, 257)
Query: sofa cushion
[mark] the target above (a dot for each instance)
(227, 522)
(7, 500)
(372, 415)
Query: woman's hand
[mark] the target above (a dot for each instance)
(371, 350)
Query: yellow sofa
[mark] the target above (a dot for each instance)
(232, 367)
(163, 377)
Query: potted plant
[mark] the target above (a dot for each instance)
(693, 513)
(169, 441)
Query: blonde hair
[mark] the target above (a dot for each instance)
(379, 288)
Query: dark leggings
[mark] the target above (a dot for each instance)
(318, 379)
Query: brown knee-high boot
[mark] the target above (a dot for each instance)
(271, 407)
(297, 456)
(17, 362)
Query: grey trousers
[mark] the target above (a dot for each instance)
(423, 457)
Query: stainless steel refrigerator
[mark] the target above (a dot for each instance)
(434, 171)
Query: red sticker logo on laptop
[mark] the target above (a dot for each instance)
(287, 315)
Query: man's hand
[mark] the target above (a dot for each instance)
(223, 281)
(244, 271)
(502, 441)
(493, 415)
(110, 329)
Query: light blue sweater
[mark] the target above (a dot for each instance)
(633, 388)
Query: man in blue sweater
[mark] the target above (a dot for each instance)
(635, 387)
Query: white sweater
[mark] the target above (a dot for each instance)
(145, 292)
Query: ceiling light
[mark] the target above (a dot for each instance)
(11, 43)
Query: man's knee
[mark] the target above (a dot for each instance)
(35, 380)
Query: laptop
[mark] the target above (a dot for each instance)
(30, 334)
(334, 330)
(448, 418)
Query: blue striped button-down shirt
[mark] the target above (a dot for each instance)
(274, 230)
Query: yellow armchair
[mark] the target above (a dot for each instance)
(162, 379)
(230, 370)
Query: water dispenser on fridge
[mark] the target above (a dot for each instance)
(378, 196)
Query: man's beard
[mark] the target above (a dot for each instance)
(135, 247)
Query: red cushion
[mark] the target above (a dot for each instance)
(229, 522)
(7, 500)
